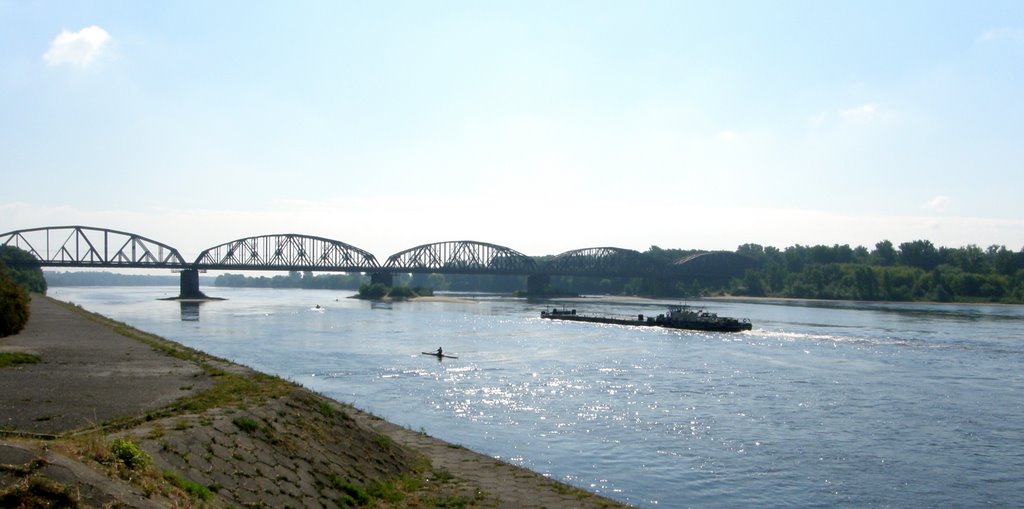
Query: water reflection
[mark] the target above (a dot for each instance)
(189, 310)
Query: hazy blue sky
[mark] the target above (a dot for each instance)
(541, 126)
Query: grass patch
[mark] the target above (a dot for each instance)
(442, 475)
(452, 501)
(232, 389)
(189, 486)
(246, 424)
(39, 492)
(326, 409)
(8, 359)
(384, 442)
(386, 491)
(352, 495)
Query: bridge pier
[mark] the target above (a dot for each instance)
(536, 283)
(384, 278)
(190, 285)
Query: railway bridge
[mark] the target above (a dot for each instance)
(90, 247)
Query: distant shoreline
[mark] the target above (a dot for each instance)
(763, 300)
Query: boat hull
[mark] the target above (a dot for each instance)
(720, 325)
(439, 356)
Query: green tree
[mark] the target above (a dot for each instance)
(866, 283)
(752, 283)
(23, 268)
(969, 258)
(755, 251)
(1004, 261)
(898, 283)
(14, 303)
(919, 253)
(1016, 284)
(884, 253)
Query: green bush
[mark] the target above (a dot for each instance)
(401, 292)
(128, 453)
(376, 291)
(13, 304)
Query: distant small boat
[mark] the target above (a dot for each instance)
(440, 355)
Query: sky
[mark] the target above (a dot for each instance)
(539, 126)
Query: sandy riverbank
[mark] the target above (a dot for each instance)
(216, 434)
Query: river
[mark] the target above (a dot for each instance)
(823, 404)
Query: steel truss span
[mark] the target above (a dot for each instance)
(713, 264)
(287, 251)
(602, 262)
(84, 246)
(461, 257)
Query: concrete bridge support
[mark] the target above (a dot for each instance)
(384, 278)
(190, 285)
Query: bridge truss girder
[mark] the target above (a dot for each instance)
(712, 264)
(461, 257)
(84, 246)
(603, 262)
(287, 251)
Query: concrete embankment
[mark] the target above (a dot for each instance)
(115, 417)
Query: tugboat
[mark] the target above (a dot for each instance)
(678, 317)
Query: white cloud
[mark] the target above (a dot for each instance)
(937, 204)
(862, 113)
(77, 49)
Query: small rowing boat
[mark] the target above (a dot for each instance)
(440, 355)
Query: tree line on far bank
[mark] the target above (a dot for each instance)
(912, 271)
(294, 279)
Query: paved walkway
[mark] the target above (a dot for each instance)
(88, 374)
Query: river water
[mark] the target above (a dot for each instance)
(821, 405)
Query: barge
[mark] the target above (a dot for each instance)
(678, 317)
